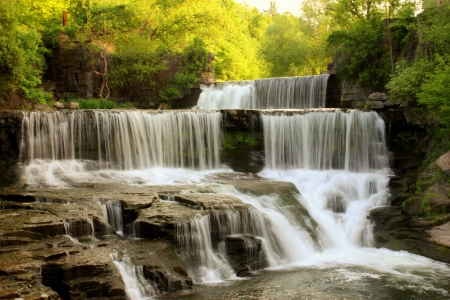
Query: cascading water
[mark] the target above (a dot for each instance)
(113, 215)
(268, 93)
(195, 246)
(353, 142)
(337, 160)
(126, 140)
(136, 286)
(339, 163)
(204, 253)
(69, 143)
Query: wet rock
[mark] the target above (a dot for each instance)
(161, 219)
(245, 253)
(336, 204)
(211, 202)
(159, 265)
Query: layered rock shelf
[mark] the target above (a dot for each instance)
(58, 243)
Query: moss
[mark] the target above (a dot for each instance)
(234, 140)
(443, 249)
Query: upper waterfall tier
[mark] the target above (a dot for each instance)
(325, 140)
(125, 140)
(267, 93)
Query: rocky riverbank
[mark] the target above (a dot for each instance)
(57, 243)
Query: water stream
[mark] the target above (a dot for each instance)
(267, 93)
(316, 240)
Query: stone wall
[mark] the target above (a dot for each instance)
(72, 75)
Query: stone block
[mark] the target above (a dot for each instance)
(61, 71)
(71, 105)
(444, 163)
(347, 97)
(58, 105)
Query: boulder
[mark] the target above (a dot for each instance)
(376, 104)
(444, 163)
(58, 105)
(245, 253)
(378, 97)
(71, 105)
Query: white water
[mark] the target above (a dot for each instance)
(204, 264)
(338, 162)
(267, 93)
(136, 286)
(124, 140)
(227, 95)
(352, 141)
(113, 215)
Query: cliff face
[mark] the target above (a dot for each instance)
(10, 135)
(418, 219)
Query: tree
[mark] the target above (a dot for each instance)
(21, 53)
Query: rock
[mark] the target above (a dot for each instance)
(376, 104)
(444, 163)
(163, 106)
(41, 107)
(58, 105)
(440, 235)
(378, 97)
(44, 296)
(71, 105)
(211, 202)
(245, 253)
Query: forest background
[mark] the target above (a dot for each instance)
(246, 43)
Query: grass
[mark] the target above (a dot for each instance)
(101, 104)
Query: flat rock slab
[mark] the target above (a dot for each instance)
(440, 234)
(211, 201)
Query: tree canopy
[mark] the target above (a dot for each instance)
(140, 36)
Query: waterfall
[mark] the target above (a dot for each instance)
(322, 140)
(224, 95)
(124, 140)
(339, 163)
(204, 263)
(113, 215)
(202, 241)
(268, 93)
(136, 286)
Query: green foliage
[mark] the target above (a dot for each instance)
(102, 104)
(425, 80)
(127, 105)
(297, 45)
(363, 58)
(21, 54)
(195, 59)
(435, 94)
(236, 140)
(95, 104)
(406, 82)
